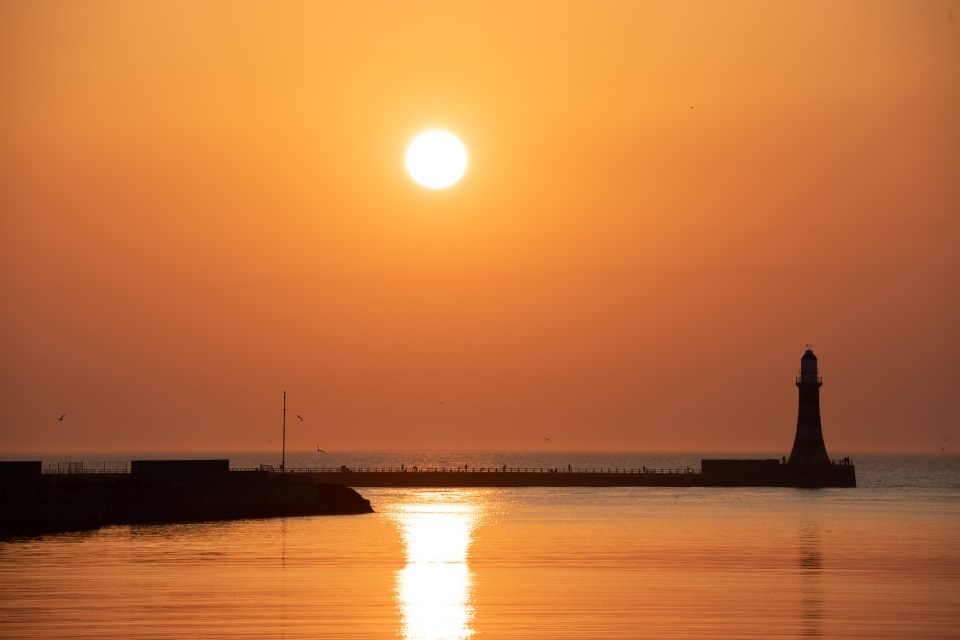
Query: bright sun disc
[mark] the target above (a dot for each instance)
(436, 159)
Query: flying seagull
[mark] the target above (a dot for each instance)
(299, 417)
(60, 419)
(319, 450)
(547, 439)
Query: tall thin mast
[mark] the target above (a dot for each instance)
(283, 450)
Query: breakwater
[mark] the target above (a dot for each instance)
(712, 473)
(153, 491)
(32, 502)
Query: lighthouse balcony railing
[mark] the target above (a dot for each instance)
(801, 378)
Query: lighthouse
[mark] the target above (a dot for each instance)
(808, 446)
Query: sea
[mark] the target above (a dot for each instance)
(878, 561)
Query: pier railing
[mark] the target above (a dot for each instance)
(73, 468)
(435, 469)
(78, 468)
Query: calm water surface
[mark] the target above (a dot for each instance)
(880, 561)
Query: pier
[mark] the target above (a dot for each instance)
(53, 498)
(459, 477)
(36, 499)
(711, 473)
(733, 473)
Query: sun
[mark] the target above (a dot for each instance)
(436, 159)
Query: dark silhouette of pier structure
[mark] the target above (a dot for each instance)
(32, 497)
(809, 466)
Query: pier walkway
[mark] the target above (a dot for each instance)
(721, 473)
(437, 477)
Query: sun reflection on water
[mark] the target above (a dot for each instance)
(434, 588)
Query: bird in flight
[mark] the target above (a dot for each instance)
(60, 419)
(299, 417)
(547, 439)
(319, 450)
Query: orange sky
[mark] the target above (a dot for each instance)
(204, 203)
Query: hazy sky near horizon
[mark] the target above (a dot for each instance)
(204, 203)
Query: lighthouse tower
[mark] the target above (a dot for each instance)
(808, 446)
